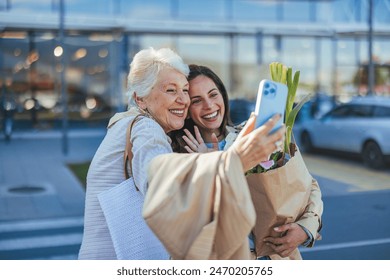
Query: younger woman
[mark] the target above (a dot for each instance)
(209, 128)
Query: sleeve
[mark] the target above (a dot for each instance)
(203, 209)
(309, 239)
(311, 218)
(149, 140)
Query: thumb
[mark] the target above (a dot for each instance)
(249, 126)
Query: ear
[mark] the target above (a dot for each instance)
(140, 101)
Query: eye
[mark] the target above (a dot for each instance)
(171, 90)
(195, 101)
(214, 94)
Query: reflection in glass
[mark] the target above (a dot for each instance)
(58, 51)
(151, 9)
(212, 51)
(245, 10)
(202, 9)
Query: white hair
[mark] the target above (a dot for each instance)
(146, 66)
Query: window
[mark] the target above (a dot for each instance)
(88, 7)
(340, 112)
(346, 52)
(211, 51)
(382, 11)
(249, 10)
(300, 54)
(151, 9)
(324, 76)
(360, 111)
(246, 73)
(202, 9)
(297, 11)
(3, 5)
(323, 11)
(347, 66)
(382, 112)
(43, 6)
(345, 10)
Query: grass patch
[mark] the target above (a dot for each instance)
(80, 170)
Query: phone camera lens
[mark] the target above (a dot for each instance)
(266, 85)
(266, 92)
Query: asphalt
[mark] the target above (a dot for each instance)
(42, 202)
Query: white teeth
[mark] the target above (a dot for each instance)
(211, 115)
(178, 112)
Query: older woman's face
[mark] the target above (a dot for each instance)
(207, 108)
(168, 101)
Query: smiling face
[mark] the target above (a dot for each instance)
(207, 108)
(168, 100)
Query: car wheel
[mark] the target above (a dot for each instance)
(307, 145)
(372, 155)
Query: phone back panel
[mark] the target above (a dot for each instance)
(271, 100)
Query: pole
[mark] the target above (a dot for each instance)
(64, 97)
(371, 72)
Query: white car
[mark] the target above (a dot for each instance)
(361, 126)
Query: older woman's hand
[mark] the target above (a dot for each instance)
(255, 145)
(197, 145)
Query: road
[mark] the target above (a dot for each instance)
(356, 209)
(355, 219)
(348, 170)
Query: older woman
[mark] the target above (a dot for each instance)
(158, 90)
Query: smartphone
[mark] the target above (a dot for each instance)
(271, 100)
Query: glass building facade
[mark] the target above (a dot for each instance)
(326, 40)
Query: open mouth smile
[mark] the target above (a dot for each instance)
(211, 116)
(177, 112)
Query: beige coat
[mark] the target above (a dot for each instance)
(199, 205)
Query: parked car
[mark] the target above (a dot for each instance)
(240, 110)
(361, 126)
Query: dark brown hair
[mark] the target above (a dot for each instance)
(195, 71)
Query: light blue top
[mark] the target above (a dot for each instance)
(221, 145)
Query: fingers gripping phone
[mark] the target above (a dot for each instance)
(271, 100)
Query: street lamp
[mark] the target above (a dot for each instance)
(59, 52)
(371, 72)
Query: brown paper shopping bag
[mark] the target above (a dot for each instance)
(279, 197)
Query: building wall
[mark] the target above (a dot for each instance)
(325, 40)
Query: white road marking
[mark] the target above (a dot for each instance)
(40, 224)
(41, 242)
(345, 245)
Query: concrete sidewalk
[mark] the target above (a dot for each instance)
(41, 201)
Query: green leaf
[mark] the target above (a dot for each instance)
(280, 71)
(294, 112)
(272, 68)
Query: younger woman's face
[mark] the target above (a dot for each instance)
(207, 108)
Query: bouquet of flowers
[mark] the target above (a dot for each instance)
(283, 74)
(281, 187)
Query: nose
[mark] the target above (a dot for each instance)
(208, 103)
(183, 98)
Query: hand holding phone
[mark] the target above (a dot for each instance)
(271, 100)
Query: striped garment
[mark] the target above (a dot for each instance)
(106, 171)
